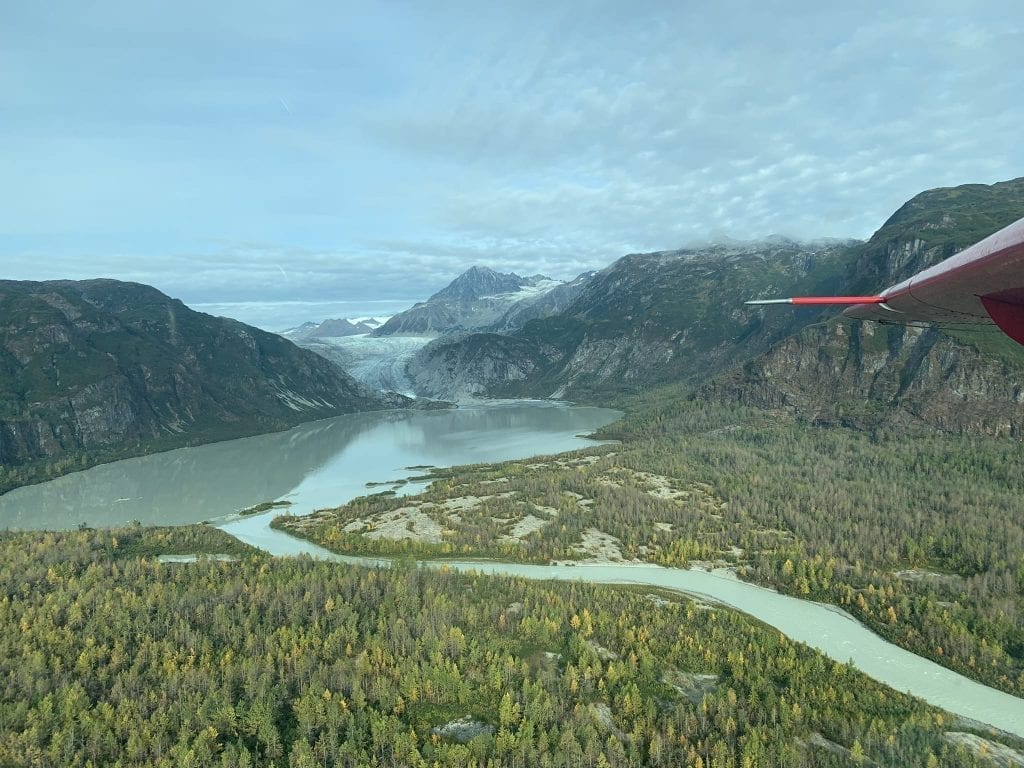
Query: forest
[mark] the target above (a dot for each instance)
(920, 538)
(111, 657)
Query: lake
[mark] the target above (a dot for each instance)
(320, 464)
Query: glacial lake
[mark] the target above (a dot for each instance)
(320, 464)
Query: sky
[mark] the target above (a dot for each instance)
(289, 161)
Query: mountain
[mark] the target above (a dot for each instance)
(303, 331)
(333, 328)
(476, 299)
(647, 319)
(868, 375)
(546, 304)
(678, 317)
(101, 369)
(933, 226)
(373, 323)
(479, 299)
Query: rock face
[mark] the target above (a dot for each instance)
(933, 226)
(478, 365)
(648, 319)
(101, 369)
(476, 299)
(869, 375)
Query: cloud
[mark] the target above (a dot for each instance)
(537, 138)
(283, 315)
(645, 149)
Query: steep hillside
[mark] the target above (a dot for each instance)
(932, 226)
(476, 299)
(645, 320)
(552, 302)
(101, 369)
(480, 300)
(865, 374)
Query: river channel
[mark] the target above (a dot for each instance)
(330, 462)
(824, 627)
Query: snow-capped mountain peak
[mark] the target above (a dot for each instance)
(474, 300)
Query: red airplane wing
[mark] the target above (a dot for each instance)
(983, 284)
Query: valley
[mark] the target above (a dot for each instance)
(97, 370)
(511, 385)
(308, 467)
(872, 469)
(698, 486)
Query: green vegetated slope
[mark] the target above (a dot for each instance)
(868, 375)
(933, 226)
(645, 320)
(101, 369)
(921, 539)
(112, 658)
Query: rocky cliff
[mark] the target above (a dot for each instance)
(101, 369)
(877, 377)
(548, 303)
(870, 375)
(483, 365)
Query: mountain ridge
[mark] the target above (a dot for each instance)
(475, 300)
(635, 324)
(101, 369)
(865, 374)
(677, 318)
(331, 328)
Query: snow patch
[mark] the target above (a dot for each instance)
(528, 291)
(298, 402)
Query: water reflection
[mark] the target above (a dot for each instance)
(313, 465)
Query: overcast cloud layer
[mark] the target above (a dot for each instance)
(243, 154)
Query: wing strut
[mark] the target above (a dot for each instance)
(815, 300)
